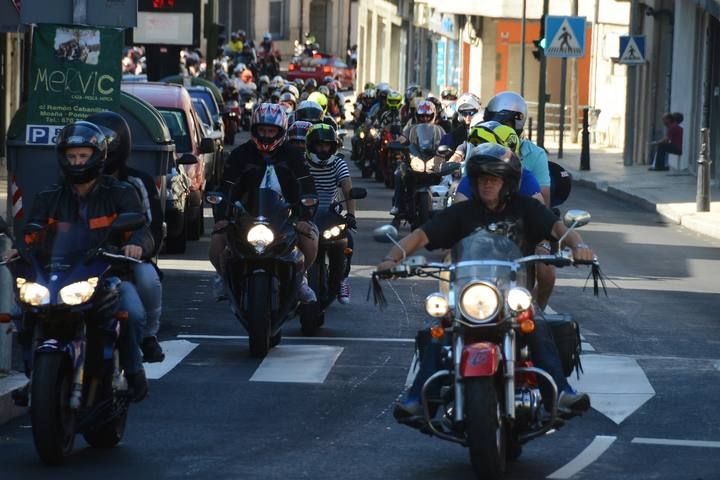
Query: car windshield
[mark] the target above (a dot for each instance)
(202, 111)
(178, 126)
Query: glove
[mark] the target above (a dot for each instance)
(351, 221)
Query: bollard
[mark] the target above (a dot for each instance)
(585, 152)
(530, 129)
(703, 174)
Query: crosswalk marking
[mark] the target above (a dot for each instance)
(591, 453)
(175, 352)
(297, 364)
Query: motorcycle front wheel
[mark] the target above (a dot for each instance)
(53, 422)
(259, 315)
(485, 429)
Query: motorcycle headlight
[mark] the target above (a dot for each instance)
(333, 232)
(519, 299)
(248, 106)
(479, 302)
(436, 305)
(373, 131)
(34, 294)
(362, 135)
(417, 164)
(260, 236)
(79, 292)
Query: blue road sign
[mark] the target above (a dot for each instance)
(565, 37)
(632, 50)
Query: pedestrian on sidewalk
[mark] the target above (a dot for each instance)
(670, 143)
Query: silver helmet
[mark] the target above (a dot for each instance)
(508, 108)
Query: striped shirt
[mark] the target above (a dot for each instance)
(327, 180)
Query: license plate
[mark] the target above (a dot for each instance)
(307, 69)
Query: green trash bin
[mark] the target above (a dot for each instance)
(34, 167)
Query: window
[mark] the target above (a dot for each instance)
(279, 19)
(175, 120)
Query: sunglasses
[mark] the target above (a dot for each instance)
(468, 113)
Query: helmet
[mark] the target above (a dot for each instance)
(241, 33)
(320, 133)
(332, 88)
(311, 85)
(275, 85)
(449, 93)
(267, 37)
(494, 132)
(320, 99)
(435, 101)
(299, 83)
(119, 139)
(468, 102)
(324, 90)
(82, 134)
(309, 111)
(275, 96)
(426, 110)
(382, 90)
(278, 78)
(394, 100)
(298, 131)
(288, 98)
(508, 108)
(495, 160)
(327, 79)
(263, 80)
(272, 115)
(291, 89)
(234, 37)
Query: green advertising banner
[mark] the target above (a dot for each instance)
(75, 71)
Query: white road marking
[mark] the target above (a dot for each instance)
(302, 339)
(676, 443)
(586, 347)
(549, 309)
(297, 364)
(175, 351)
(187, 265)
(616, 384)
(591, 453)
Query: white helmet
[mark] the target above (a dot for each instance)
(267, 36)
(468, 101)
(508, 108)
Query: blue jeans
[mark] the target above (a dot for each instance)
(149, 288)
(129, 343)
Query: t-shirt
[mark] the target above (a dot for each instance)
(528, 185)
(327, 180)
(535, 159)
(675, 134)
(533, 220)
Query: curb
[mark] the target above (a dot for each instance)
(8, 410)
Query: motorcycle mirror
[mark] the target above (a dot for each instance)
(576, 218)
(188, 159)
(127, 222)
(358, 193)
(214, 198)
(385, 234)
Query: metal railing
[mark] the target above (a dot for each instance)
(552, 119)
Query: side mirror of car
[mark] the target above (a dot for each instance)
(188, 158)
(128, 222)
(218, 124)
(358, 193)
(207, 145)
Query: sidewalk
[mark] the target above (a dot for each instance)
(671, 193)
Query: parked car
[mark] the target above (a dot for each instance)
(194, 152)
(211, 130)
(319, 66)
(205, 94)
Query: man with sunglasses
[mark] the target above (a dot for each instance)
(468, 106)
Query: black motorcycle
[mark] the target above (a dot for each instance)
(263, 271)
(329, 268)
(69, 299)
(248, 101)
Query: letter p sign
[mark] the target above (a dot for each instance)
(38, 135)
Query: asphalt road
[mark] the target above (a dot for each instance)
(223, 415)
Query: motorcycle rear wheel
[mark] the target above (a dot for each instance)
(485, 429)
(259, 315)
(53, 423)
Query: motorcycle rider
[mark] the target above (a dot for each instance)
(249, 164)
(391, 116)
(310, 86)
(146, 275)
(332, 176)
(468, 105)
(510, 108)
(288, 101)
(87, 198)
(335, 100)
(269, 53)
(494, 172)
(297, 133)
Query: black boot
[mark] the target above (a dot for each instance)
(152, 351)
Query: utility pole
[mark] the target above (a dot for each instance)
(540, 139)
(574, 88)
(522, 48)
(630, 107)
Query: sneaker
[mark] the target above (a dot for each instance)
(394, 211)
(306, 294)
(152, 351)
(572, 402)
(138, 386)
(219, 289)
(407, 409)
(344, 294)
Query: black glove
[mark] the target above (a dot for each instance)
(351, 221)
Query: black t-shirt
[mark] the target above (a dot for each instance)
(533, 222)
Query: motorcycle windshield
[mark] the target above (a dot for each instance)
(425, 137)
(497, 250)
(62, 245)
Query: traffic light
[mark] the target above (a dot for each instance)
(539, 51)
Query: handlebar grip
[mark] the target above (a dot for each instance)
(594, 261)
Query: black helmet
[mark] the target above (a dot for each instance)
(498, 161)
(327, 79)
(311, 85)
(320, 133)
(119, 139)
(82, 134)
(324, 90)
(309, 112)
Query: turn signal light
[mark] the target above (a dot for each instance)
(348, 251)
(528, 326)
(5, 318)
(437, 331)
(525, 316)
(122, 315)
(291, 67)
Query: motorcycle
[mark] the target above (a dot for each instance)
(328, 271)
(486, 394)
(231, 117)
(263, 271)
(389, 134)
(248, 100)
(69, 300)
(368, 155)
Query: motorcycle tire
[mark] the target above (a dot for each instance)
(230, 135)
(484, 428)
(259, 315)
(53, 423)
(177, 244)
(379, 177)
(424, 207)
(367, 172)
(109, 434)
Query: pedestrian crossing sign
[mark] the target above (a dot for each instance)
(632, 50)
(565, 37)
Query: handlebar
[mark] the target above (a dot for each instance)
(116, 256)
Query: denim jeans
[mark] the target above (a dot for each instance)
(149, 288)
(129, 343)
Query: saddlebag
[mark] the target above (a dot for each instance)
(566, 333)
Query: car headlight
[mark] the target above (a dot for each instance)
(519, 299)
(417, 164)
(79, 292)
(260, 236)
(436, 305)
(479, 302)
(34, 294)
